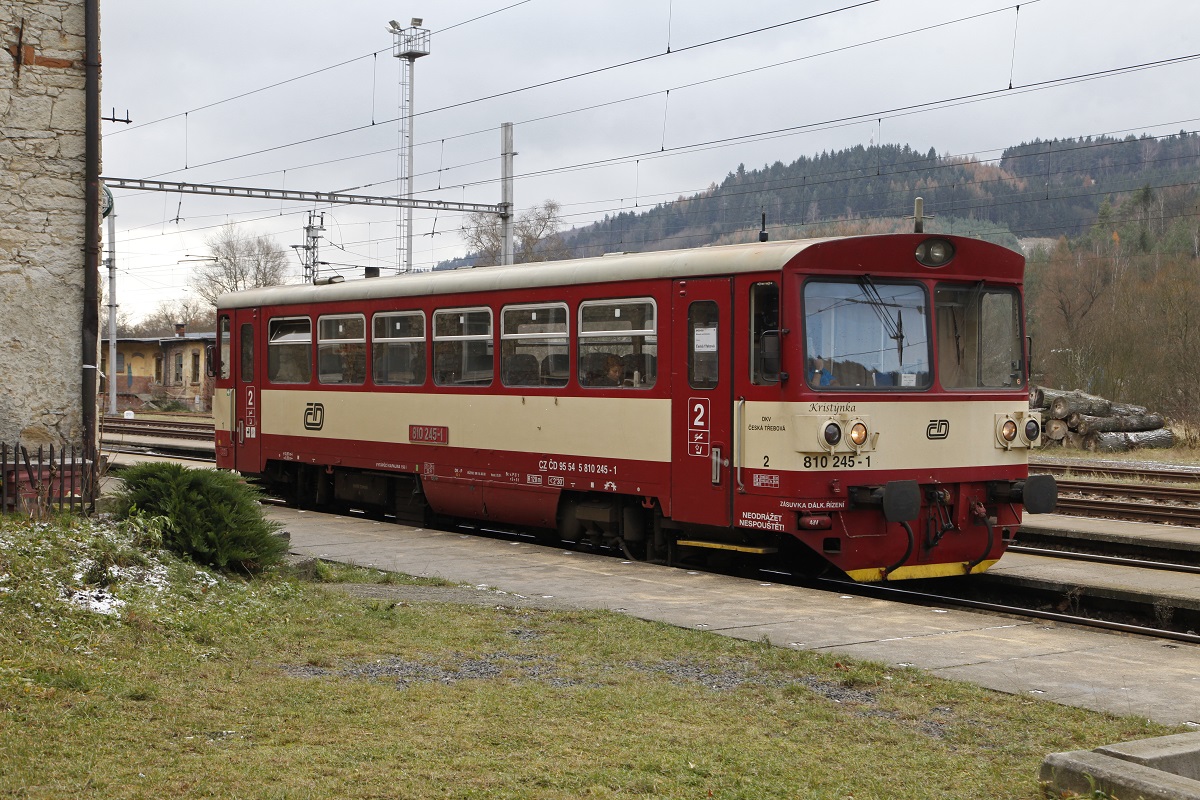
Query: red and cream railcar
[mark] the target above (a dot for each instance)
(859, 402)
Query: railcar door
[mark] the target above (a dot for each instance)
(246, 420)
(701, 414)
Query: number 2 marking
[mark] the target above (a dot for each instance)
(766, 461)
(698, 419)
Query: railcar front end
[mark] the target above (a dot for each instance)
(900, 446)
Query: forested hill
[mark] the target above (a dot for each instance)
(1039, 189)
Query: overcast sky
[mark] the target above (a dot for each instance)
(823, 75)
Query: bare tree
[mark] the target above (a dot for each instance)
(535, 236)
(240, 261)
(192, 312)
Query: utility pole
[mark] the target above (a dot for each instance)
(410, 44)
(111, 263)
(506, 192)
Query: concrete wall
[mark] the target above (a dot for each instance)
(41, 220)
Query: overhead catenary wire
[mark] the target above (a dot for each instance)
(637, 157)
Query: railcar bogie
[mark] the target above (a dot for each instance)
(839, 403)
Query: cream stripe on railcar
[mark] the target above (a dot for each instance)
(616, 428)
(222, 411)
(728, 259)
(786, 432)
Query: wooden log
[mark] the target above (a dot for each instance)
(1037, 396)
(1073, 440)
(1068, 404)
(1119, 442)
(1127, 410)
(1046, 396)
(1055, 429)
(1129, 423)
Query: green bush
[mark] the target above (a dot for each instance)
(212, 516)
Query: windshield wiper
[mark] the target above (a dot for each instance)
(893, 327)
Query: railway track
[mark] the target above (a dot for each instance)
(1153, 494)
(157, 428)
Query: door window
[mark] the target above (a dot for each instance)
(247, 349)
(703, 351)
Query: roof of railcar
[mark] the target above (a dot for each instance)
(611, 268)
(614, 267)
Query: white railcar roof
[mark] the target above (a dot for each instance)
(616, 267)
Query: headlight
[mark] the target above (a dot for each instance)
(1032, 430)
(833, 434)
(858, 434)
(935, 252)
(1008, 431)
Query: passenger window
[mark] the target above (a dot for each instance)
(703, 350)
(462, 347)
(342, 349)
(289, 350)
(764, 333)
(398, 349)
(618, 343)
(534, 345)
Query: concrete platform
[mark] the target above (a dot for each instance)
(1151, 678)
(1062, 527)
(1163, 768)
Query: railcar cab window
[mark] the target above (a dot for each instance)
(618, 343)
(978, 337)
(289, 350)
(398, 348)
(342, 349)
(866, 334)
(462, 347)
(534, 348)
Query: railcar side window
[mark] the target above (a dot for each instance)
(764, 333)
(979, 337)
(866, 334)
(398, 348)
(289, 350)
(534, 345)
(342, 349)
(618, 343)
(462, 347)
(223, 333)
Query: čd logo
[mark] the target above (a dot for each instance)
(314, 416)
(938, 429)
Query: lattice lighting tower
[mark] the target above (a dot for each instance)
(410, 44)
(308, 250)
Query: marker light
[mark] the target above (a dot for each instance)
(1032, 430)
(1008, 431)
(833, 434)
(935, 252)
(858, 434)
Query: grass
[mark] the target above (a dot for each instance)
(203, 685)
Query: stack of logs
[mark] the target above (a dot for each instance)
(1086, 422)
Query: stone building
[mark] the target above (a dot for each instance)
(163, 373)
(43, 235)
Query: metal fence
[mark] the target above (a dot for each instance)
(36, 482)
